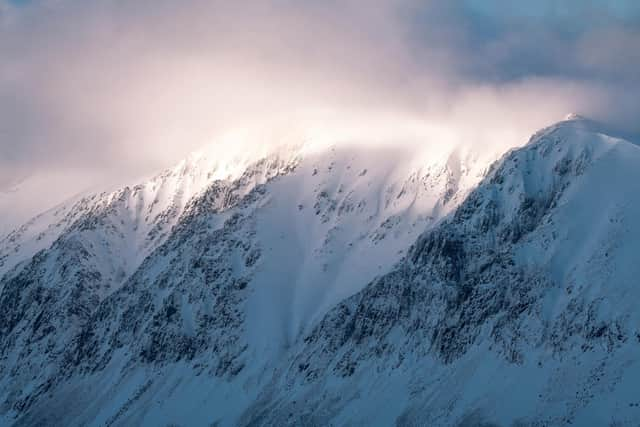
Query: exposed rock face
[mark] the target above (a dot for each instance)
(62, 304)
(483, 287)
(315, 291)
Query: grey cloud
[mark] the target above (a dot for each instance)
(129, 87)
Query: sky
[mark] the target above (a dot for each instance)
(108, 90)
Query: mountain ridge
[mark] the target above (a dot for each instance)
(264, 305)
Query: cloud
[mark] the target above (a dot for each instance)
(110, 89)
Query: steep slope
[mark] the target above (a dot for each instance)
(133, 219)
(518, 310)
(51, 296)
(349, 287)
(200, 271)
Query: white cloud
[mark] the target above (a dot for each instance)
(124, 88)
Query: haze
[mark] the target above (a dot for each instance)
(101, 92)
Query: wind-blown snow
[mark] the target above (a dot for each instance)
(342, 218)
(344, 285)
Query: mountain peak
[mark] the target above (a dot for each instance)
(256, 281)
(574, 117)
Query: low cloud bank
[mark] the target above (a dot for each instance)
(110, 89)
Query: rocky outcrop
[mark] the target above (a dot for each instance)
(511, 305)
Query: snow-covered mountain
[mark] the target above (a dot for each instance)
(335, 285)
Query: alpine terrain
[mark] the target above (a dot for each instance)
(336, 285)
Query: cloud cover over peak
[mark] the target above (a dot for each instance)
(109, 89)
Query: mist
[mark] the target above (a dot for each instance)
(107, 91)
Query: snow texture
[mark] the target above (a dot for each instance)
(336, 286)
